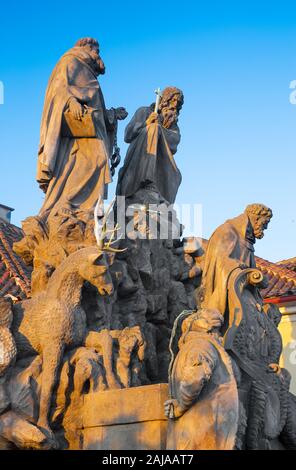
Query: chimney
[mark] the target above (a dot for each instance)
(5, 213)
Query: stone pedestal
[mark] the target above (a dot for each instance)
(125, 419)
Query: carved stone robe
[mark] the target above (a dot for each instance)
(203, 382)
(77, 170)
(230, 247)
(149, 160)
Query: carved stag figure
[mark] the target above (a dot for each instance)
(54, 320)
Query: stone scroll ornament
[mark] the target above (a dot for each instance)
(254, 342)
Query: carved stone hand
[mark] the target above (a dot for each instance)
(76, 108)
(152, 118)
(172, 409)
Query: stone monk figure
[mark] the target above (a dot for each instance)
(75, 171)
(231, 246)
(153, 138)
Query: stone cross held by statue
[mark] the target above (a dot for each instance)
(158, 96)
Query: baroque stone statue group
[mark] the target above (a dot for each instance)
(131, 339)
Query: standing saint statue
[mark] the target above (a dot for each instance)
(153, 135)
(231, 247)
(77, 132)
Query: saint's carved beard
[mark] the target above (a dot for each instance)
(170, 116)
(258, 230)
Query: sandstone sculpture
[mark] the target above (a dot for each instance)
(77, 136)
(59, 306)
(73, 165)
(254, 343)
(231, 284)
(203, 408)
(101, 314)
(153, 138)
(231, 247)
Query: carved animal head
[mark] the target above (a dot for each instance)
(94, 269)
(94, 264)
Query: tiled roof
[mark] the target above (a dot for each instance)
(14, 274)
(288, 263)
(282, 281)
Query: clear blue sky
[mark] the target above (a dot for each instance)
(233, 60)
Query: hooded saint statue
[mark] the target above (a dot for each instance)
(153, 138)
(75, 171)
(231, 247)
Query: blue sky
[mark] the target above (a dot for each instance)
(233, 60)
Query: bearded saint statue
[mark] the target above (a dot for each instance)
(230, 247)
(75, 171)
(153, 138)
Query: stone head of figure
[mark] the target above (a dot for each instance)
(6, 314)
(91, 46)
(204, 320)
(259, 217)
(170, 105)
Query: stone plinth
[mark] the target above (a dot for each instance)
(125, 419)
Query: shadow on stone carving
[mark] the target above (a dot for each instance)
(231, 287)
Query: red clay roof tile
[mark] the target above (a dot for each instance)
(282, 280)
(14, 274)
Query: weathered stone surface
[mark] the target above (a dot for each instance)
(82, 362)
(128, 406)
(22, 433)
(149, 435)
(231, 284)
(203, 408)
(135, 420)
(153, 138)
(73, 168)
(231, 247)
